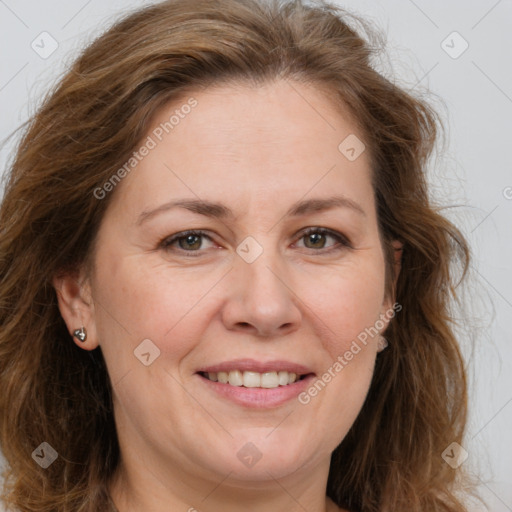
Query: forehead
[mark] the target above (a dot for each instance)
(240, 119)
(277, 141)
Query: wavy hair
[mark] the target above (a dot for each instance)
(85, 129)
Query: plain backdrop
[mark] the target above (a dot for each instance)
(460, 51)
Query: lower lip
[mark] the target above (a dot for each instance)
(261, 398)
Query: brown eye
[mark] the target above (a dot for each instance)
(317, 238)
(189, 242)
(186, 242)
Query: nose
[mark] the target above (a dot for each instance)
(261, 299)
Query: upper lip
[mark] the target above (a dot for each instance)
(251, 365)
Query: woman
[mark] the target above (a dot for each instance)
(211, 232)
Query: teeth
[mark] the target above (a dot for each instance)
(282, 378)
(269, 380)
(236, 378)
(253, 379)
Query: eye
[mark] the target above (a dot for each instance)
(316, 238)
(187, 241)
(192, 241)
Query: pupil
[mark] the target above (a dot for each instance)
(189, 241)
(316, 238)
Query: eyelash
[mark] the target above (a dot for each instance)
(343, 242)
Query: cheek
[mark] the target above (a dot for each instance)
(344, 315)
(150, 302)
(348, 303)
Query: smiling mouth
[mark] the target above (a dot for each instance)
(267, 380)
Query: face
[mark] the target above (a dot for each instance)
(243, 247)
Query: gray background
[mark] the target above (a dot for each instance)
(473, 175)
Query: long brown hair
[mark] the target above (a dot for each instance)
(52, 391)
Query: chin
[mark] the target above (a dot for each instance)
(253, 458)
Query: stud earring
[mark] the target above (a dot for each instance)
(382, 344)
(81, 334)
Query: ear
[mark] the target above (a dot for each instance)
(390, 301)
(76, 306)
(398, 248)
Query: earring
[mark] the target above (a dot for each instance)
(382, 344)
(81, 334)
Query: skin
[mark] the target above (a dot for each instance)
(258, 150)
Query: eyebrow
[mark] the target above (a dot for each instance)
(220, 211)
